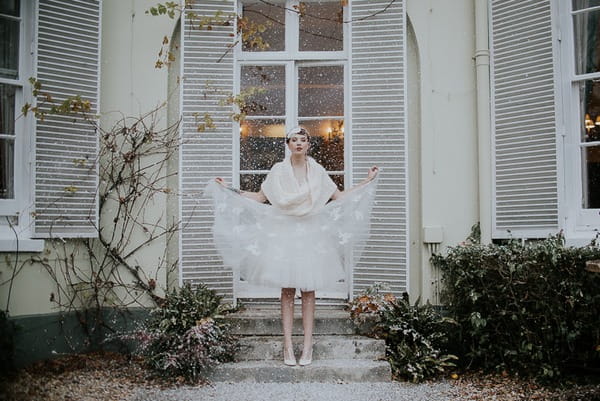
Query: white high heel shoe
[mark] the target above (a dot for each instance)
(288, 357)
(306, 359)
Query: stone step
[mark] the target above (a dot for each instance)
(267, 322)
(257, 348)
(322, 371)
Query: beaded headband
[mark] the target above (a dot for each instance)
(297, 131)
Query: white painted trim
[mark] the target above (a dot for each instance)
(348, 176)
(24, 157)
(495, 232)
(98, 108)
(406, 162)
(180, 150)
(292, 59)
(580, 224)
(21, 245)
(484, 113)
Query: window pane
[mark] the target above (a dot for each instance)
(589, 94)
(10, 7)
(591, 177)
(339, 181)
(321, 91)
(7, 109)
(261, 144)
(251, 182)
(321, 26)
(579, 4)
(9, 48)
(7, 157)
(587, 42)
(267, 84)
(263, 26)
(327, 142)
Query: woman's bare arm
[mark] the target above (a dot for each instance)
(373, 171)
(256, 196)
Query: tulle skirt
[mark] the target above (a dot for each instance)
(271, 249)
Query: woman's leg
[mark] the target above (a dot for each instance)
(308, 322)
(287, 322)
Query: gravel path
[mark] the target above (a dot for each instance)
(301, 392)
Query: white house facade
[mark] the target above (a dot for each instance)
(476, 111)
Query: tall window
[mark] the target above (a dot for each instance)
(291, 71)
(10, 86)
(585, 16)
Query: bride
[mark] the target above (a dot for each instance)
(301, 240)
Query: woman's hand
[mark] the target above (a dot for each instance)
(373, 171)
(221, 181)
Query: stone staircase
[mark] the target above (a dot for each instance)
(339, 355)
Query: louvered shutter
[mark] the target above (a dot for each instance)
(379, 136)
(68, 47)
(524, 136)
(209, 154)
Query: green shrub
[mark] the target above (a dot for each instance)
(529, 308)
(416, 335)
(185, 336)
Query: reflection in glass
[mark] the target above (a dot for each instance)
(591, 177)
(7, 109)
(580, 4)
(7, 153)
(251, 182)
(268, 17)
(321, 26)
(587, 42)
(267, 84)
(261, 144)
(339, 181)
(10, 7)
(9, 48)
(589, 93)
(327, 142)
(321, 91)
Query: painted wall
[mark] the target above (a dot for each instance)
(130, 86)
(445, 36)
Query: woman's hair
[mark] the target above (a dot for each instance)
(297, 131)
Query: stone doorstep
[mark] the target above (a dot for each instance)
(267, 322)
(320, 371)
(256, 348)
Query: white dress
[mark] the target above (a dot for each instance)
(300, 240)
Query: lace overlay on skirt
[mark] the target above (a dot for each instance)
(272, 249)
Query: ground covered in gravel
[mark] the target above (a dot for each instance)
(109, 376)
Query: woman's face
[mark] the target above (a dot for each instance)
(298, 144)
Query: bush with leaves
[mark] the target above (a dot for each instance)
(416, 335)
(185, 336)
(530, 308)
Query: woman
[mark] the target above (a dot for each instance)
(304, 244)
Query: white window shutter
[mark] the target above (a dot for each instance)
(525, 197)
(66, 147)
(379, 136)
(207, 79)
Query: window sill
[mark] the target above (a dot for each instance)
(25, 245)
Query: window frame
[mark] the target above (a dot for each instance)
(292, 58)
(580, 222)
(16, 213)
